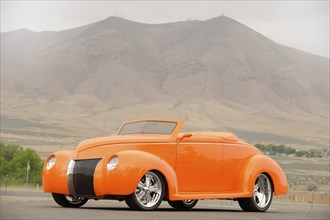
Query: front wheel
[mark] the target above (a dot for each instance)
(183, 204)
(261, 198)
(69, 201)
(148, 194)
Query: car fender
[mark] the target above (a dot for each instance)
(258, 164)
(55, 179)
(131, 167)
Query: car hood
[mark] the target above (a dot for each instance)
(122, 139)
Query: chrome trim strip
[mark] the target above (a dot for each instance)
(70, 177)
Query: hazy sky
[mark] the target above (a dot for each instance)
(300, 24)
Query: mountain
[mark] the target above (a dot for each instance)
(60, 87)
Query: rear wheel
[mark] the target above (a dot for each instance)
(261, 198)
(148, 194)
(69, 201)
(183, 204)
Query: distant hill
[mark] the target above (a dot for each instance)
(60, 87)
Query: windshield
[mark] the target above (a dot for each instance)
(148, 127)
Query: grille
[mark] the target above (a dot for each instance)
(81, 177)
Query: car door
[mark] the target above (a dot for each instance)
(198, 166)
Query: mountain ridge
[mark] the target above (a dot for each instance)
(217, 73)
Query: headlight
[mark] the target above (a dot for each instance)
(112, 163)
(51, 162)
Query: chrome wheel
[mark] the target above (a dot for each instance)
(262, 191)
(149, 190)
(183, 204)
(188, 202)
(262, 195)
(149, 193)
(74, 200)
(69, 201)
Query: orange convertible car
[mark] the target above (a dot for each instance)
(149, 161)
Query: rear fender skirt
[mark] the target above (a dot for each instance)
(258, 164)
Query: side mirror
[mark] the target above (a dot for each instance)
(185, 136)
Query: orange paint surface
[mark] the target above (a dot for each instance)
(196, 165)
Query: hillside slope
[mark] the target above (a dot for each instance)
(216, 74)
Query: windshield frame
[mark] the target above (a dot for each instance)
(170, 132)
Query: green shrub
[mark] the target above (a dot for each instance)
(13, 165)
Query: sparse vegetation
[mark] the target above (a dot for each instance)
(306, 171)
(287, 150)
(14, 163)
(311, 186)
(304, 175)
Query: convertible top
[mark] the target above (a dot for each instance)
(211, 137)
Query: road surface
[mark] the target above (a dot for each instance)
(34, 204)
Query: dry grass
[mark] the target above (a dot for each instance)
(300, 172)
